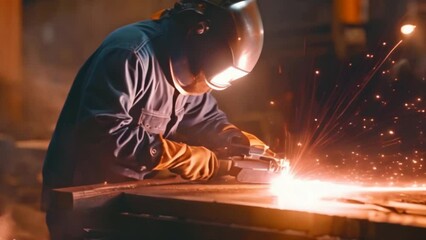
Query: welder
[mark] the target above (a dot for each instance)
(142, 102)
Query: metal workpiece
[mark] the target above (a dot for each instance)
(256, 167)
(226, 209)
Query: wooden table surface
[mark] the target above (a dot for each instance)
(362, 215)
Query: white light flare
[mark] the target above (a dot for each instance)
(223, 80)
(239, 5)
(408, 29)
(321, 196)
(301, 194)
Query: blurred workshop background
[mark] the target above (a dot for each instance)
(44, 42)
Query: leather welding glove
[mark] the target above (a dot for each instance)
(231, 142)
(190, 162)
(258, 144)
(240, 143)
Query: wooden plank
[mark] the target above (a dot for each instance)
(11, 71)
(11, 40)
(239, 209)
(231, 214)
(143, 226)
(253, 206)
(90, 196)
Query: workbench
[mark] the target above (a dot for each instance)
(176, 209)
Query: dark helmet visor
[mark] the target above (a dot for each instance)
(245, 41)
(228, 51)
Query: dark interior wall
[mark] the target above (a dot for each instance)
(58, 37)
(299, 40)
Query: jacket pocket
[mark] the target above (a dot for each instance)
(153, 122)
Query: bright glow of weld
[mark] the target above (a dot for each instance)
(315, 195)
(301, 194)
(408, 29)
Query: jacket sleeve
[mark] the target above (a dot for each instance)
(204, 124)
(108, 138)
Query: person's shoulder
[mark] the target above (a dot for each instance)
(133, 36)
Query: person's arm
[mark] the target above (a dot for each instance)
(204, 124)
(109, 134)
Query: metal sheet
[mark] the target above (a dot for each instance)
(251, 209)
(254, 206)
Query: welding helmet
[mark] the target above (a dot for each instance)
(222, 44)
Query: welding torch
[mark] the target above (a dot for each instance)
(257, 165)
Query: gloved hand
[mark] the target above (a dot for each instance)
(258, 144)
(232, 142)
(190, 162)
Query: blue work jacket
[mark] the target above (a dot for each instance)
(121, 100)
